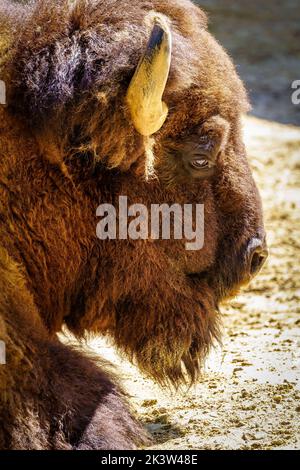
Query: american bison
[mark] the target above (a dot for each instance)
(109, 98)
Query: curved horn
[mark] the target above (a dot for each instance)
(144, 96)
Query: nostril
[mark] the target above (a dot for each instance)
(257, 261)
(257, 254)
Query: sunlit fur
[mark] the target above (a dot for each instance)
(67, 144)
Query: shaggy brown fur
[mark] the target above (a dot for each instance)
(67, 144)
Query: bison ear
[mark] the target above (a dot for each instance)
(44, 81)
(145, 92)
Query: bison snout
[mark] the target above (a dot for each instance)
(256, 256)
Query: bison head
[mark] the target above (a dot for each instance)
(135, 99)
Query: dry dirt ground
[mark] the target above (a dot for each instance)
(249, 397)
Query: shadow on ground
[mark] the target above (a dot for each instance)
(264, 40)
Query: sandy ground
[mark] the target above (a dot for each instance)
(249, 397)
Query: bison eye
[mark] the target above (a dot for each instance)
(200, 164)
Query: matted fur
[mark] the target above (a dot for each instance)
(67, 144)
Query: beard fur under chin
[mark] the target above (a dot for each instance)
(176, 359)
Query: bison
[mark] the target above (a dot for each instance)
(108, 98)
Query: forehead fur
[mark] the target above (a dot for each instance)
(98, 44)
(69, 65)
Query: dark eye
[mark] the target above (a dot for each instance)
(199, 164)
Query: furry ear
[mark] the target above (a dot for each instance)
(48, 61)
(49, 78)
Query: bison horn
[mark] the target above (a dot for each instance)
(144, 96)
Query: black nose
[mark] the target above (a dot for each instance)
(257, 253)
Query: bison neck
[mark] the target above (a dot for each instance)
(47, 225)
